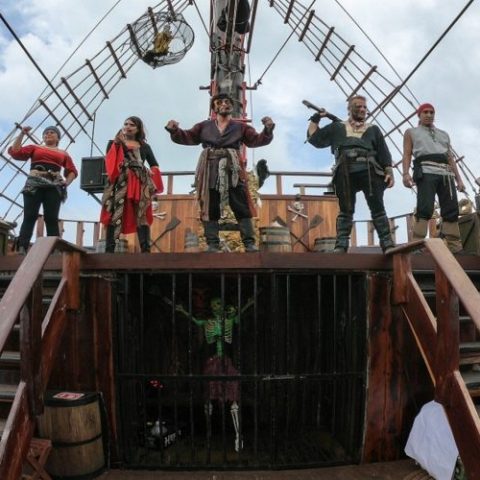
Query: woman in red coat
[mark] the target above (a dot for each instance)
(127, 199)
(45, 185)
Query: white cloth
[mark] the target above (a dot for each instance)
(431, 442)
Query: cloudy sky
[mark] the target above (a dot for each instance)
(404, 31)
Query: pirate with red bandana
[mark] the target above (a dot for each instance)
(434, 173)
(362, 163)
(221, 176)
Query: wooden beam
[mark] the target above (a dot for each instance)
(75, 97)
(16, 436)
(57, 120)
(447, 353)
(116, 60)
(153, 20)
(97, 79)
(307, 25)
(362, 82)
(396, 127)
(79, 234)
(71, 271)
(402, 268)
(289, 11)
(324, 44)
(342, 62)
(384, 101)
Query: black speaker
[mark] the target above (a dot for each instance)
(93, 177)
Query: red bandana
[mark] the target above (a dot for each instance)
(425, 106)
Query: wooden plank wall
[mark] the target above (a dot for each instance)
(85, 362)
(184, 207)
(398, 382)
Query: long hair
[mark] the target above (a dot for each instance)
(140, 136)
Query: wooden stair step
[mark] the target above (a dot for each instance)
(469, 347)
(10, 357)
(472, 381)
(7, 392)
(3, 422)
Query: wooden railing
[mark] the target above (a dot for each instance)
(438, 338)
(39, 342)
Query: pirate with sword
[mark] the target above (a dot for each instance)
(362, 163)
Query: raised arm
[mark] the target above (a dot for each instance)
(184, 137)
(179, 308)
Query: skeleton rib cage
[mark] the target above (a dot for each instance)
(75, 99)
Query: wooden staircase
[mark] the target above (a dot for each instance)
(444, 316)
(469, 346)
(33, 311)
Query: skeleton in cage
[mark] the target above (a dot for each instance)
(218, 330)
(161, 44)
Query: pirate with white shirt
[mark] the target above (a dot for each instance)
(434, 173)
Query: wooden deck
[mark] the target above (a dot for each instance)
(401, 470)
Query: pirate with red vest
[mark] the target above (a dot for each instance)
(221, 176)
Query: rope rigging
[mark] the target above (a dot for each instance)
(395, 106)
(294, 29)
(431, 49)
(73, 102)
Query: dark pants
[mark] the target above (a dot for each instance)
(372, 187)
(237, 199)
(430, 185)
(50, 199)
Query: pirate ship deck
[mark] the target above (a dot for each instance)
(266, 360)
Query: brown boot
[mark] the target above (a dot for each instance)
(420, 229)
(451, 235)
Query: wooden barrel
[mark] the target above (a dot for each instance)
(73, 422)
(275, 239)
(324, 244)
(120, 247)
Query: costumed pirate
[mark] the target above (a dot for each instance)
(127, 199)
(435, 173)
(221, 176)
(362, 163)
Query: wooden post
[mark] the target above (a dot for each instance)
(79, 235)
(447, 349)
(71, 271)
(31, 317)
(278, 179)
(402, 267)
(169, 184)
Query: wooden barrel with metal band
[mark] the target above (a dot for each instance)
(73, 422)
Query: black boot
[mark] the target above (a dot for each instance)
(382, 226)
(211, 230)
(143, 232)
(110, 239)
(247, 233)
(344, 228)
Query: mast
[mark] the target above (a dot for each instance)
(228, 25)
